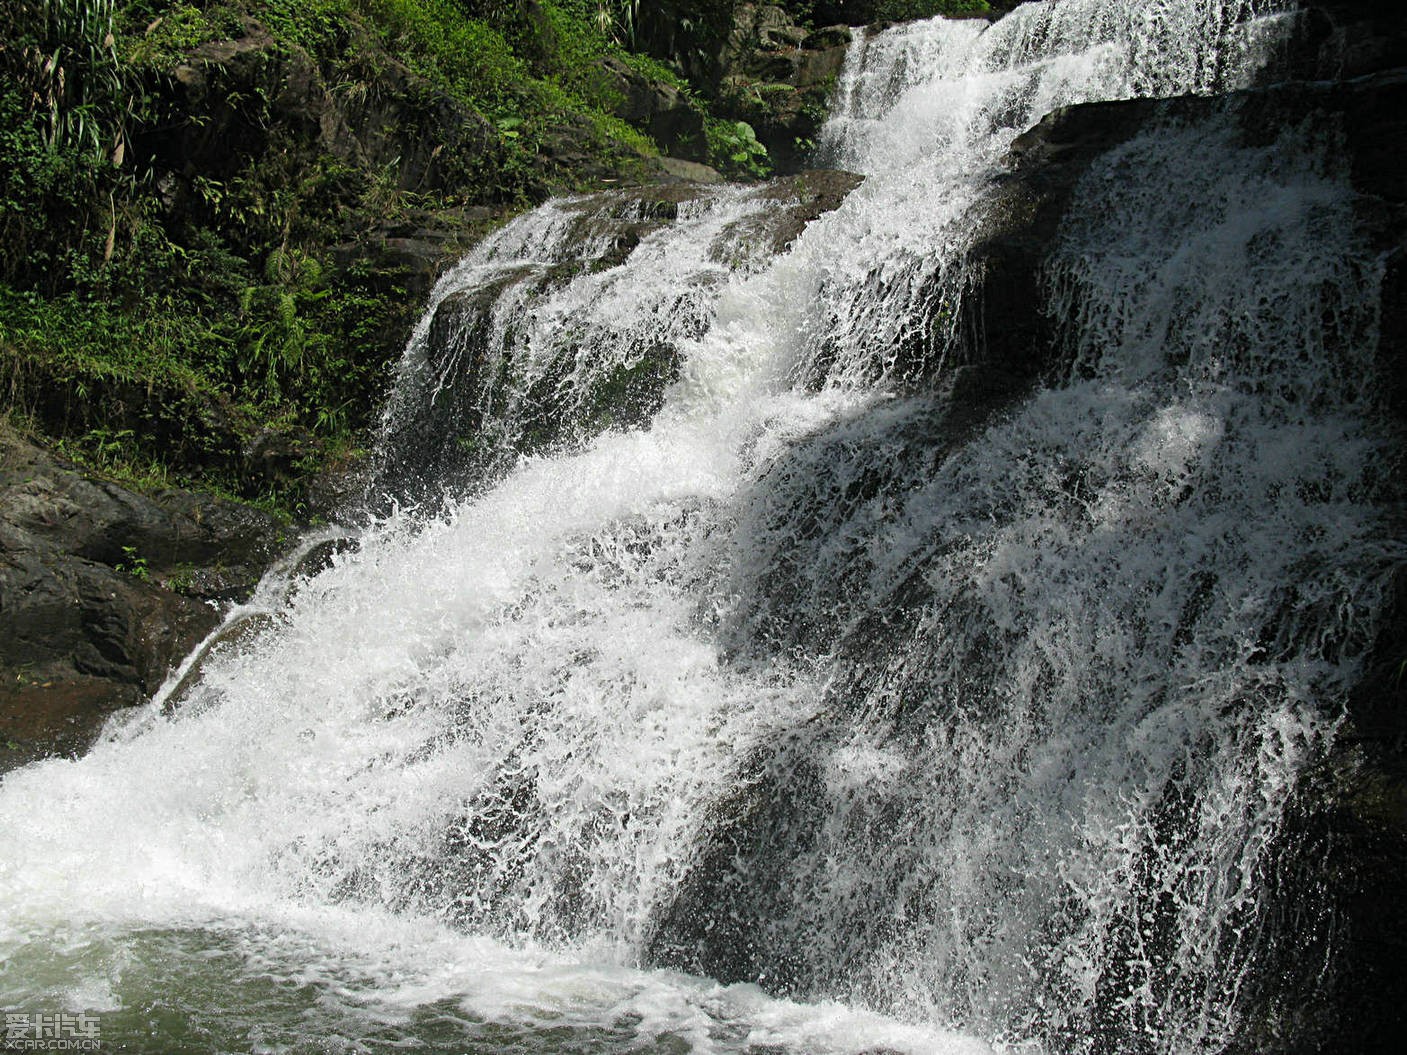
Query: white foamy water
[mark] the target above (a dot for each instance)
(911, 740)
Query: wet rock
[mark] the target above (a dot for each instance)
(1350, 824)
(571, 153)
(442, 441)
(801, 199)
(102, 590)
(405, 258)
(731, 926)
(436, 440)
(1342, 39)
(1345, 849)
(322, 555)
(239, 631)
(1017, 339)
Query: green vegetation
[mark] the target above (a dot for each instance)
(133, 565)
(827, 12)
(198, 200)
(178, 179)
(735, 149)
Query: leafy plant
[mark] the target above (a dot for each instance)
(133, 565)
(181, 580)
(735, 149)
(64, 57)
(619, 18)
(276, 338)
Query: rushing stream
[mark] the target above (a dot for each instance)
(793, 720)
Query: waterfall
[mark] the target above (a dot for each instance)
(732, 686)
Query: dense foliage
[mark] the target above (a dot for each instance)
(188, 284)
(167, 298)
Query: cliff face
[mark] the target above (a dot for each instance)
(1346, 69)
(1350, 827)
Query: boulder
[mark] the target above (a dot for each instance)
(103, 591)
(676, 170)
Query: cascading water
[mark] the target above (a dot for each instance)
(991, 729)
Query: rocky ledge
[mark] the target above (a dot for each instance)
(102, 591)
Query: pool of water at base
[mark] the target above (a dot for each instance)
(271, 988)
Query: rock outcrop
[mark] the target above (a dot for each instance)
(235, 98)
(778, 77)
(231, 100)
(1343, 39)
(1046, 164)
(102, 591)
(757, 64)
(659, 109)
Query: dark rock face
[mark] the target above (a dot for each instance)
(756, 62)
(778, 77)
(801, 199)
(101, 591)
(254, 87)
(1350, 823)
(404, 259)
(1342, 39)
(1014, 338)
